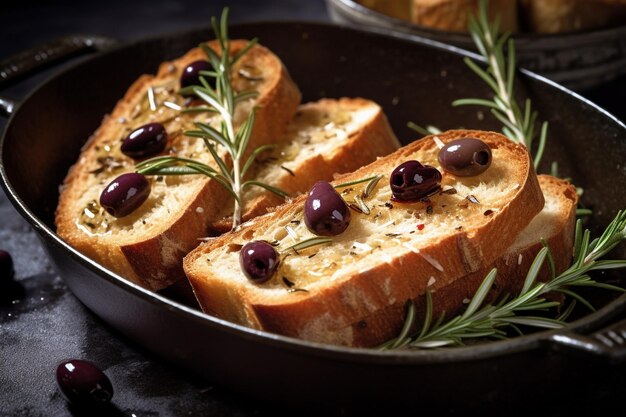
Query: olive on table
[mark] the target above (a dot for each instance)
(412, 181)
(125, 194)
(147, 140)
(325, 212)
(258, 260)
(83, 383)
(465, 157)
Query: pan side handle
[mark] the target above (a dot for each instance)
(607, 344)
(22, 64)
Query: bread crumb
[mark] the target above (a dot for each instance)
(431, 281)
(199, 210)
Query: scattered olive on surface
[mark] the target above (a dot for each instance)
(83, 383)
(147, 140)
(465, 157)
(325, 212)
(191, 73)
(258, 260)
(6, 266)
(125, 194)
(412, 181)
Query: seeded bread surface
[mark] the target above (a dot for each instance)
(147, 246)
(382, 259)
(325, 138)
(554, 225)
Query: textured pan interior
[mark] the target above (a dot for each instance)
(413, 82)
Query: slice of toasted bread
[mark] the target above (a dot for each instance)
(554, 225)
(384, 258)
(147, 246)
(325, 138)
(454, 15)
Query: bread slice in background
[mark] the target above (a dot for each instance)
(383, 259)
(147, 246)
(454, 15)
(325, 138)
(556, 16)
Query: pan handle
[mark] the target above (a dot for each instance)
(21, 64)
(608, 343)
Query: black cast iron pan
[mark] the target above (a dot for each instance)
(413, 81)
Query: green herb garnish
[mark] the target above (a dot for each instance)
(498, 50)
(491, 321)
(307, 243)
(223, 100)
(519, 124)
(359, 181)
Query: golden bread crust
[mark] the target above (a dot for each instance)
(150, 253)
(334, 305)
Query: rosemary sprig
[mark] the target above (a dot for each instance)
(359, 181)
(221, 99)
(307, 243)
(519, 123)
(491, 321)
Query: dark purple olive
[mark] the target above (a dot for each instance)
(147, 140)
(6, 266)
(465, 157)
(325, 212)
(412, 181)
(83, 383)
(258, 260)
(191, 73)
(125, 194)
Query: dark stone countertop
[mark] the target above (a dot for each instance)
(49, 324)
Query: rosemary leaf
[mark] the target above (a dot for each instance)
(371, 185)
(314, 241)
(253, 157)
(428, 130)
(489, 321)
(533, 271)
(268, 187)
(359, 181)
(406, 328)
(199, 109)
(244, 50)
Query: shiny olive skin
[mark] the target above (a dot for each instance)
(6, 266)
(325, 212)
(465, 157)
(83, 383)
(412, 181)
(125, 194)
(147, 140)
(258, 260)
(191, 73)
